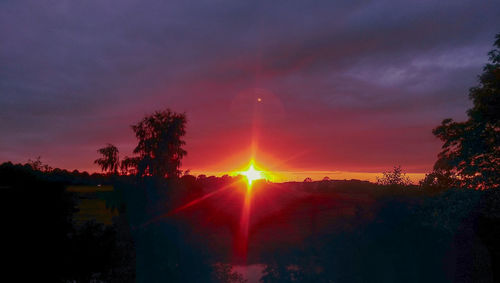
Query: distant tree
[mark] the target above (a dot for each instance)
(471, 149)
(38, 165)
(325, 179)
(109, 161)
(395, 178)
(308, 180)
(160, 145)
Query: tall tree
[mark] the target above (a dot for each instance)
(160, 144)
(109, 162)
(471, 149)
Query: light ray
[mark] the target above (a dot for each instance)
(242, 240)
(189, 204)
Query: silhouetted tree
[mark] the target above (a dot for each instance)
(438, 180)
(471, 149)
(160, 144)
(128, 166)
(109, 161)
(38, 165)
(395, 178)
(308, 180)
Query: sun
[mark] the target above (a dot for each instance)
(252, 174)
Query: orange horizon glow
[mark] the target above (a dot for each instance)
(315, 175)
(281, 170)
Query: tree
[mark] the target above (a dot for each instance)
(438, 180)
(395, 178)
(38, 165)
(471, 149)
(160, 144)
(128, 166)
(109, 161)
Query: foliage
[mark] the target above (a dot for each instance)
(40, 224)
(38, 165)
(128, 166)
(37, 219)
(160, 146)
(224, 273)
(438, 180)
(395, 178)
(427, 238)
(109, 161)
(93, 248)
(471, 149)
(405, 238)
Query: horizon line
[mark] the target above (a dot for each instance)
(315, 175)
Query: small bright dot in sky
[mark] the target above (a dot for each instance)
(259, 99)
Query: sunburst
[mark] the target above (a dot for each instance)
(252, 174)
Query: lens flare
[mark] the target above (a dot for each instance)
(251, 174)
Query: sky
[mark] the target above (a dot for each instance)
(345, 86)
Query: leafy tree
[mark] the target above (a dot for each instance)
(438, 180)
(109, 162)
(395, 178)
(128, 166)
(160, 144)
(471, 149)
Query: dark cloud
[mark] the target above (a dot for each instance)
(361, 83)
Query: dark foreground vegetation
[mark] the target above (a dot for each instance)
(351, 231)
(445, 229)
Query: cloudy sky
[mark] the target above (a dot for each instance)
(344, 85)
